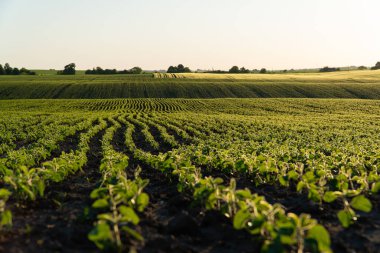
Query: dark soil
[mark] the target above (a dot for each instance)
(164, 147)
(57, 223)
(139, 140)
(190, 133)
(69, 143)
(178, 138)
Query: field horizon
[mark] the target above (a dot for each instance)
(343, 84)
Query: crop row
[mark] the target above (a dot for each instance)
(118, 199)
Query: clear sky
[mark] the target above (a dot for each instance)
(154, 34)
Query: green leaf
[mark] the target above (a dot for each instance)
(6, 219)
(4, 193)
(329, 197)
(106, 217)
(142, 201)
(345, 218)
(133, 233)
(321, 236)
(241, 218)
(300, 186)
(100, 203)
(101, 235)
(97, 193)
(243, 194)
(314, 195)
(376, 187)
(218, 180)
(41, 188)
(283, 180)
(129, 215)
(27, 190)
(293, 175)
(361, 203)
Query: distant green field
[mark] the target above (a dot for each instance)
(353, 84)
(53, 72)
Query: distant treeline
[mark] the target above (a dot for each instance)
(100, 71)
(237, 70)
(178, 69)
(242, 70)
(8, 70)
(70, 70)
(328, 69)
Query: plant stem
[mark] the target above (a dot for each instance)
(115, 223)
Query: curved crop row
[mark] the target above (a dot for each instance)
(118, 199)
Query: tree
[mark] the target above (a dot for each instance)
(8, 69)
(179, 69)
(263, 71)
(377, 66)
(327, 69)
(172, 69)
(68, 70)
(24, 71)
(237, 70)
(109, 71)
(136, 70)
(15, 71)
(100, 71)
(234, 70)
(244, 70)
(362, 68)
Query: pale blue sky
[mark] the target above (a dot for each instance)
(204, 34)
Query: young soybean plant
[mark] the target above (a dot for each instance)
(118, 203)
(5, 215)
(348, 216)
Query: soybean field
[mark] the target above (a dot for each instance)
(186, 175)
(344, 84)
